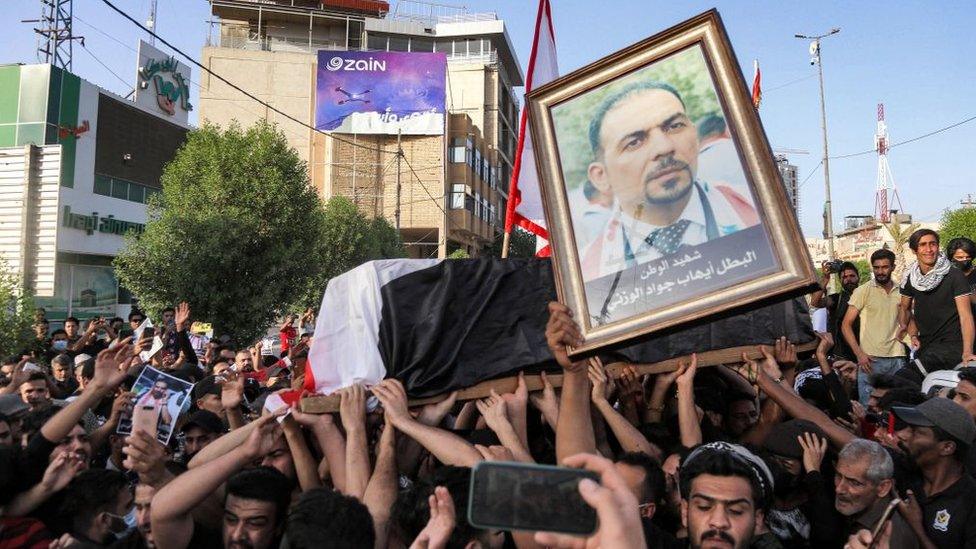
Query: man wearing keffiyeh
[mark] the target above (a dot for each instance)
(934, 308)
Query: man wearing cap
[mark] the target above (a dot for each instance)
(202, 428)
(937, 437)
(725, 493)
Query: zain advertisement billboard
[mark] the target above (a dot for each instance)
(380, 92)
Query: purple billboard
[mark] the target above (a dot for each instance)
(380, 92)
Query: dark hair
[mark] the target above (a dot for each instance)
(59, 331)
(262, 484)
(902, 396)
(325, 518)
(37, 376)
(44, 321)
(71, 319)
(722, 464)
(135, 312)
(848, 266)
(917, 235)
(968, 374)
(596, 124)
(589, 189)
(653, 485)
(12, 359)
(168, 310)
(35, 419)
(961, 243)
(711, 124)
(883, 253)
(115, 319)
(91, 492)
(411, 510)
(890, 381)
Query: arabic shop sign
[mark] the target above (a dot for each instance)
(91, 223)
(169, 84)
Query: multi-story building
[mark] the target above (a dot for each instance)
(270, 48)
(77, 166)
(788, 172)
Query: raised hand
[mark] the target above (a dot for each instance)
(784, 353)
(561, 332)
(182, 316)
(393, 397)
(630, 385)
(146, 456)
(814, 448)
(110, 364)
(434, 413)
(826, 343)
(442, 521)
(599, 380)
(263, 438)
(64, 467)
(546, 400)
(352, 407)
(493, 410)
(231, 390)
(686, 378)
(519, 400)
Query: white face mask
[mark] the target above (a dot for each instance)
(60, 345)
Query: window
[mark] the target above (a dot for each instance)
(120, 189)
(421, 44)
(399, 43)
(477, 205)
(458, 190)
(137, 193)
(444, 47)
(103, 185)
(476, 167)
(457, 150)
(474, 46)
(376, 42)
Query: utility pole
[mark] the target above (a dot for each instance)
(817, 60)
(399, 157)
(151, 22)
(968, 202)
(54, 35)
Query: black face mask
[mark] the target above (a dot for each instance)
(962, 265)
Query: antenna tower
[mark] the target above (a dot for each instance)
(54, 37)
(886, 182)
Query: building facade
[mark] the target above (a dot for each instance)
(270, 49)
(788, 172)
(77, 167)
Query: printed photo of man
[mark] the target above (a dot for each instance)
(646, 154)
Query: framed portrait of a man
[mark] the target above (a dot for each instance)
(663, 200)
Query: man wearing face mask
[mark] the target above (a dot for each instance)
(962, 251)
(837, 304)
(59, 344)
(97, 508)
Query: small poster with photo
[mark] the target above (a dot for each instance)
(159, 400)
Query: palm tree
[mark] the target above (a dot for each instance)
(900, 233)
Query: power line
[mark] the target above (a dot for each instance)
(907, 141)
(809, 175)
(235, 86)
(104, 66)
(790, 83)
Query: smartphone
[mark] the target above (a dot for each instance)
(519, 496)
(145, 418)
(878, 526)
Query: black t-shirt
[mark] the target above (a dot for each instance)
(950, 516)
(971, 280)
(935, 310)
(837, 305)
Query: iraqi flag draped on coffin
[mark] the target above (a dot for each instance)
(440, 325)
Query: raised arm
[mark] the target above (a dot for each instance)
(381, 492)
(574, 428)
(688, 423)
(449, 448)
(172, 506)
(493, 410)
(108, 376)
(352, 411)
(332, 443)
(306, 469)
(630, 439)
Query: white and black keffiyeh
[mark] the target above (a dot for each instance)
(758, 467)
(930, 280)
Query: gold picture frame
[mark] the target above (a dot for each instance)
(615, 169)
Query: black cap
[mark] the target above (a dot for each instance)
(208, 421)
(206, 386)
(943, 413)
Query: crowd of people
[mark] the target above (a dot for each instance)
(868, 441)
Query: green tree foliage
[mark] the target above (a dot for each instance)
(522, 244)
(240, 234)
(458, 254)
(958, 223)
(16, 314)
(863, 270)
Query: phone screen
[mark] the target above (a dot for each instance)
(516, 496)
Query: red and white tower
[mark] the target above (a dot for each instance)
(886, 182)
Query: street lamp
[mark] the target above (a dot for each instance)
(816, 60)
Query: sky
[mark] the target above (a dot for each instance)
(915, 57)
